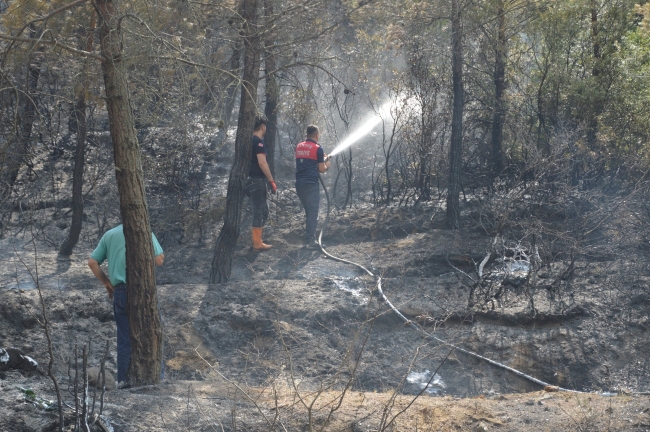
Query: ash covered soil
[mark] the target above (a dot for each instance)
(295, 333)
(298, 341)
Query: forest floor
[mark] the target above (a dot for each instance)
(297, 341)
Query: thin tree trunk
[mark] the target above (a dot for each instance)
(231, 84)
(542, 140)
(231, 87)
(592, 131)
(272, 92)
(595, 38)
(422, 184)
(339, 171)
(456, 146)
(224, 248)
(142, 305)
(235, 64)
(389, 186)
(19, 147)
(423, 178)
(499, 87)
(347, 166)
(79, 158)
(597, 103)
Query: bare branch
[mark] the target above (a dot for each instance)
(54, 43)
(238, 387)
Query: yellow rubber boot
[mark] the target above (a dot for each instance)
(258, 244)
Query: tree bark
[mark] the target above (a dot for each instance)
(19, 147)
(224, 248)
(542, 139)
(423, 176)
(592, 127)
(595, 37)
(235, 64)
(231, 87)
(231, 84)
(142, 306)
(499, 87)
(456, 146)
(348, 178)
(80, 152)
(272, 92)
(597, 102)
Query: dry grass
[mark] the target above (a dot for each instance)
(538, 411)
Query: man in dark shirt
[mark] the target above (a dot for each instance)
(255, 188)
(310, 161)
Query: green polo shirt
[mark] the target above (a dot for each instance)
(112, 247)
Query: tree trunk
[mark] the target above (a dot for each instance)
(596, 107)
(592, 127)
(422, 184)
(231, 84)
(224, 248)
(542, 139)
(456, 146)
(142, 306)
(231, 87)
(19, 147)
(499, 87)
(235, 64)
(387, 156)
(79, 158)
(348, 178)
(272, 92)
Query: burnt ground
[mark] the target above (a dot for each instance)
(276, 347)
(294, 333)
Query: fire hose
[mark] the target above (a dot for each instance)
(418, 328)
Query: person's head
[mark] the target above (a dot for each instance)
(312, 132)
(260, 125)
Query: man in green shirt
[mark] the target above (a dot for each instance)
(112, 247)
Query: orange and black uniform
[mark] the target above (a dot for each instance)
(308, 155)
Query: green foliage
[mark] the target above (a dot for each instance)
(29, 395)
(626, 120)
(576, 75)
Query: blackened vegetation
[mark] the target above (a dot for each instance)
(543, 169)
(548, 236)
(180, 171)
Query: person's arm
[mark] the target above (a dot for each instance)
(101, 276)
(264, 166)
(324, 166)
(158, 257)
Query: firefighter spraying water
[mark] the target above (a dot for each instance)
(311, 161)
(304, 153)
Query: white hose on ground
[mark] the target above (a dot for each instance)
(418, 328)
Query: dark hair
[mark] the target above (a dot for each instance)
(311, 131)
(259, 121)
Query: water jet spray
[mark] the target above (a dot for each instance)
(363, 130)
